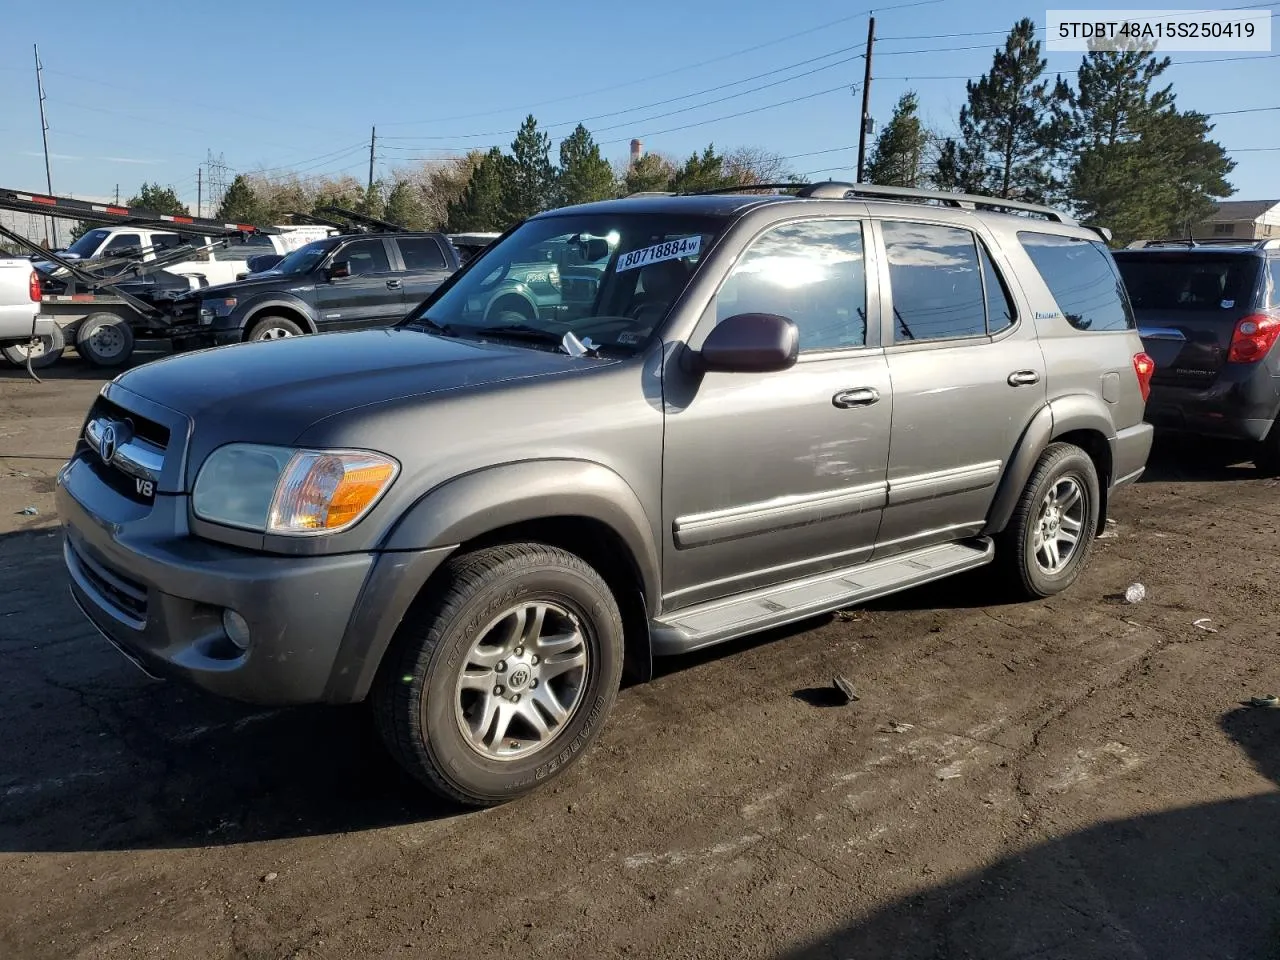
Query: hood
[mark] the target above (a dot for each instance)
(250, 285)
(270, 392)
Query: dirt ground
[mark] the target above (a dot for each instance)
(1072, 778)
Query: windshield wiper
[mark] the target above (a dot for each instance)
(518, 331)
(426, 323)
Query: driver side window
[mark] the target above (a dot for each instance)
(812, 273)
(365, 256)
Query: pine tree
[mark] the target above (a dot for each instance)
(152, 196)
(652, 172)
(371, 202)
(1011, 126)
(240, 204)
(897, 159)
(703, 171)
(1138, 165)
(530, 187)
(404, 206)
(482, 204)
(584, 175)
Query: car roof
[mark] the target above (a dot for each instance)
(712, 205)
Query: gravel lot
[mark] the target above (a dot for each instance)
(1072, 778)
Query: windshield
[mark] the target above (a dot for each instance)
(304, 259)
(609, 279)
(88, 243)
(1199, 282)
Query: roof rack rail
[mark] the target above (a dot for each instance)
(1272, 243)
(651, 193)
(743, 188)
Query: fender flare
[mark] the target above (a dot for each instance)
(1057, 417)
(518, 292)
(274, 300)
(485, 500)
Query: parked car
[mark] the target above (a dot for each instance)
(19, 316)
(1209, 315)
(216, 266)
(337, 283)
(469, 244)
(777, 406)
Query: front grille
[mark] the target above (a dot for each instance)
(128, 596)
(157, 434)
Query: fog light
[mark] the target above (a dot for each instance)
(237, 628)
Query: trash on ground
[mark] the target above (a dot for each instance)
(845, 686)
(1135, 593)
(1266, 700)
(1204, 624)
(29, 512)
(898, 726)
(1108, 535)
(267, 878)
(1110, 522)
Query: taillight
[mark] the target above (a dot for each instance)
(33, 288)
(1144, 367)
(1253, 338)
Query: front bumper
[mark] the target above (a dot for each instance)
(318, 624)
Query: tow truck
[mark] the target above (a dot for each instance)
(105, 305)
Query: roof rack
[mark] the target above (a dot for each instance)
(1272, 243)
(839, 190)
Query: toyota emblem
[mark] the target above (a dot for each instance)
(107, 442)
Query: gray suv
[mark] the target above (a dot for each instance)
(776, 406)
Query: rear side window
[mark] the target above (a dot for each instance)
(944, 283)
(1275, 283)
(420, 253)
(1202, 282)
(1083, 279)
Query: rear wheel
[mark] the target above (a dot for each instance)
(105, 339)
(503, 677)
(1051, 534)
(274, 328)
(45, 352)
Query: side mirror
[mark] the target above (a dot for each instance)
(751, 343)
(597, 248)
(338, 269)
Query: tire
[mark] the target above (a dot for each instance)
(47, 352)
(105, 339)
(436, 729)
(511, 310)
(274, 328)
(1027, 571)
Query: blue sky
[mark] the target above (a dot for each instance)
(299, 85)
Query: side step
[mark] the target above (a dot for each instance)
(725, 619)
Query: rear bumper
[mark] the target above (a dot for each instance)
(1129, 452)
(1234, 408)
(318, 625)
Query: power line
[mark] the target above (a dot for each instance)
(682, 69)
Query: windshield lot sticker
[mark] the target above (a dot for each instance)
(667, 250)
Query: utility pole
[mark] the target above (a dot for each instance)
(117, 194)
(49, 224)
(199, 190)
(373, 139)
(866, 100)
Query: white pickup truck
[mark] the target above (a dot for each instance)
(206, 267)
(19, 308)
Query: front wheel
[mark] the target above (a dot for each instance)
(1051, 534)
(503, 677)
(274, 328)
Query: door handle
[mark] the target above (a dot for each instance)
(1021, 378)
(861, 397)
(393, 284)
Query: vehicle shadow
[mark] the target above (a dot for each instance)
(97, 756)
(1183, 884)
(1199, 460)
(72, 367)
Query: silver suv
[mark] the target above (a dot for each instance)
(773, 407)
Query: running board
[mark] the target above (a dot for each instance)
(727, 618)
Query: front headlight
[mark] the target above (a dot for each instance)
(283, 490)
